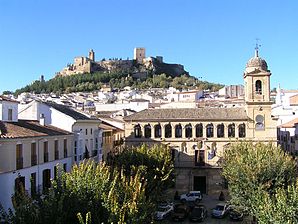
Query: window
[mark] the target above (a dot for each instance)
(231, 130)
(9, 114)
(260, 122)
(220, 131)
(199, 157)
(56, 149)
(45, 152)
(183, 147)
(96, 143)
(173, 154)
(19, 184)
(157, 131)
(168, 131)
(241, 130)
(178, 131)
(46, 179)
(86, 131)
(91, 144)
(91, 131)
(65, 148)
(19, 156)
(33, 184)
(33, 154)
(76, 147)
(86, 154)
(199, 130)
(209, 131)
(258, 87)
(138, 131)
(147, 131)
(188, 131)
(55, 172)
(65, 167)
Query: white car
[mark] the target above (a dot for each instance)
(191, 196)
(221, 210)
(163, 211)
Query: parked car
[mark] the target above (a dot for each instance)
(235, 214)
(180, 213)
(221, 210)
(191, 196)
(163, 211)
(198, 213)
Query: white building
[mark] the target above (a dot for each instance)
(231, 91)
(87, 135)
(185, 96)
(29, 152)
(286, 136)
(136, 105)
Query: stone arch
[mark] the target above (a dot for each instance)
(137, 131)
(147, 131)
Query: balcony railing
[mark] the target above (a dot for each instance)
(19, 163)
(56, 154)
(33, 160)
(46, 157)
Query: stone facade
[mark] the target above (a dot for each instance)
(198, 137)
(138, 67)
(139, 54)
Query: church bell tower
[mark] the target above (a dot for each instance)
(261, 126)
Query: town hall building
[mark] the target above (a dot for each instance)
(197, 137)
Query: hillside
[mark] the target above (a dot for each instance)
(87, 74)
(117, 81)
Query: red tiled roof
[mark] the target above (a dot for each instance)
(28, 128)
(290, 124)
(4, 98)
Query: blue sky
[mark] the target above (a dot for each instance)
(213, 39)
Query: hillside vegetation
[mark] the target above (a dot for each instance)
(94, 81)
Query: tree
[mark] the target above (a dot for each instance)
(280, 208)
(7, 92)
(124, 192)
(155, 164)
(256, 173)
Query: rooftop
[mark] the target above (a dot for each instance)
(68, 111)
(290, 124)
(4, 98)
(28, 128)
(212, 114)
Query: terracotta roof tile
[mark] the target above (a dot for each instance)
(28, 128)
(4, 98)
(290, 124)
(189, 114)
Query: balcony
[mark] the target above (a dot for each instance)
(56, 154)
(33, 160)
(46, 157)
(19, 163)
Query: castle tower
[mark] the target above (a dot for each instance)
(139, 54)
(91, 55)
(257, 99)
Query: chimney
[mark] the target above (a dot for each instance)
(42, 120)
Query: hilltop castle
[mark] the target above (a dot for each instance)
(139, 66)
